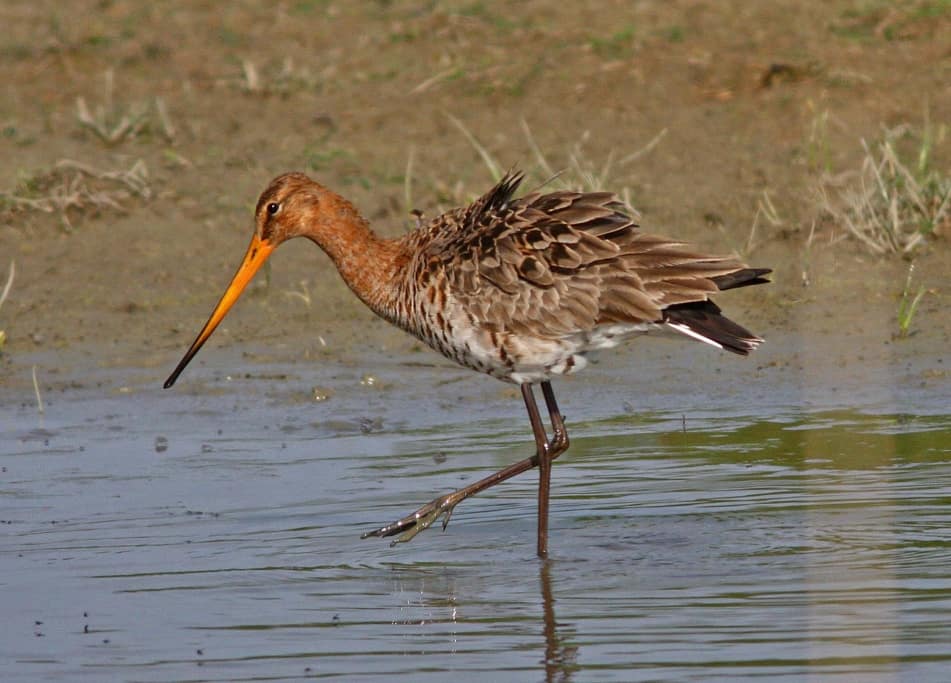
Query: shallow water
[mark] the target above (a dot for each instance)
(212, 534)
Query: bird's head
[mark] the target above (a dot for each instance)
(292, 206)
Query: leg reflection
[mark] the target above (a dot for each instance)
(560, 657)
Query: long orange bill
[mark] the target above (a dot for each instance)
(257, 254)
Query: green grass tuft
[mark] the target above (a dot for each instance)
(908, 304)
(617, 45)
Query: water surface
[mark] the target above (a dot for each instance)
(213, 535)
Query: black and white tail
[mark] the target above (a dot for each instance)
(702, 320)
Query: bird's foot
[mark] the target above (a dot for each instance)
(423, 518)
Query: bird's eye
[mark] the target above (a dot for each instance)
(273, 208)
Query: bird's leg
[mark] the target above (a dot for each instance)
(542, 450)
(413, 523)
(559, 442)
(546, 451)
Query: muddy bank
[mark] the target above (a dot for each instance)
(681, 106)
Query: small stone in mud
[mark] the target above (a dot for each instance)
(370, 424)
(321, 393)
(161, 444)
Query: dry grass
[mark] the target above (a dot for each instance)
(40, 408)
(3, 297)
(890, 205)
(112, 123)
(273, 79)
(580, 174)
(73, 188)
(592, 177)
(767, 212)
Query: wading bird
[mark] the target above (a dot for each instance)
(521, 289)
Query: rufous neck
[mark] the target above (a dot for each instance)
(368, 263)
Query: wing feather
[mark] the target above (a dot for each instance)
(553, 265)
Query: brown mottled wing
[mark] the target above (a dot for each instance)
(556, 264)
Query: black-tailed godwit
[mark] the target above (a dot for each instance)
(521, 289)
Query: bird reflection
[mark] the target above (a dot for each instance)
(560, 656)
